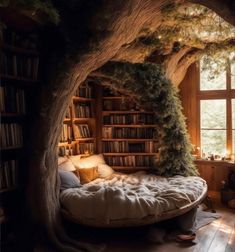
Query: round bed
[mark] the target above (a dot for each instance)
(122, 200)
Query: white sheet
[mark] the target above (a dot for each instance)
(132, 196)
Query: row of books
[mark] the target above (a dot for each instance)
(84, 91)
(81, 131)
(66, 134)
(19, 65)
(118, 105)
(11, 135)
(131, 161)
(8, 174)
(128, 119)
(82, 110)
(66, 151)
(113, 132)
(85, 148)
(12, 100)
(19, 39)
(122, 147)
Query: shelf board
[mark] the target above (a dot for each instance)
(82, 99)
(11, 147)
(85, 139)
(18, 49)
(61, 144)
(130, 125)
(106, 112)
(129, 139)
(82, 119)
(9, 189)
(67, 120)
(128, 154)
(16, 78)
(132, 168)
(3, 114)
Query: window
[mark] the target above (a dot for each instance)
(216, 99)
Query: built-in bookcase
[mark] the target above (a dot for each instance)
(113, 125)
(129, 138)
(19, 72)
(79, 128)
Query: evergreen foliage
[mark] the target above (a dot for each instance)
(44, 7)
(148, 82)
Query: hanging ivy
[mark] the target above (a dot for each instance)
(147, 82)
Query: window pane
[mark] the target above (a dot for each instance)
(213, 114)
(213, 142)
(233, 75)
(217, 83)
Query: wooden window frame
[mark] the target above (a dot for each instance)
(226, 94)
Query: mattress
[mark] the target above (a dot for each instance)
(133, 199)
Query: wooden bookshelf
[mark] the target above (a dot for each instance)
(128, 134)
(129, 139)
(128, 154)
(131, 143)
(130, 125)
(126, 112)
(19, 73)
(81, 118)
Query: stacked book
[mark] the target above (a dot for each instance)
(81, 131)
(128, 119)
(22, 66)
(8, 174)
(82, 110)
(66, 133)
(11, 135)
(12, 100)
(114, 132)
(130, 160)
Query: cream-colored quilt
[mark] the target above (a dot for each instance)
(132, 196)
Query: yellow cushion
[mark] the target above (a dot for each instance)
(88, 174)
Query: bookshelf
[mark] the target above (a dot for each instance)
(129, 139)
(79, 128)
(19, 72)
(112, 125)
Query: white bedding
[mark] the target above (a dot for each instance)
(132, 196)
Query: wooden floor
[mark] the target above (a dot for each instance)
(218, 236)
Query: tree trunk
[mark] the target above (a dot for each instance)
(43, 183)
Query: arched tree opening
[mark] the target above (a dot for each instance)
(87, 36)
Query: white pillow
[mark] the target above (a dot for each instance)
(104, 170)
(62, 160)
(67, 166)
(88, 162)
(75, 159)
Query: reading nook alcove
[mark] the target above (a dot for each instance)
(117, 125)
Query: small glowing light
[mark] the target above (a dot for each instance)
(159, 36)
(179, 39)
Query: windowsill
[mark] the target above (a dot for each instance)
(219, 162)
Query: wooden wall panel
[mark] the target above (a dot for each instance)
(188, 95)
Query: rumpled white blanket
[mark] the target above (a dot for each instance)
(131, 196)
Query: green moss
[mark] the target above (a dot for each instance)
(147, 81)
